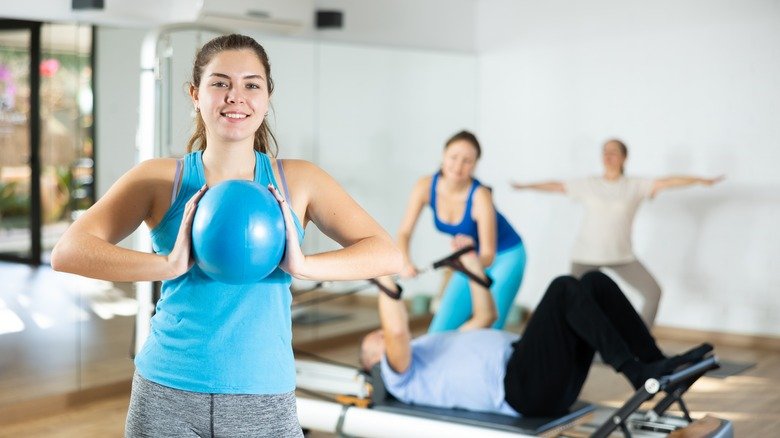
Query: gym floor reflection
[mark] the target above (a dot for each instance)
(61, 333)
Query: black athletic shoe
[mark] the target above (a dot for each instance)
(693, 355)
(637, 372)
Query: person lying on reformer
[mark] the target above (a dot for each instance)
(539, 374)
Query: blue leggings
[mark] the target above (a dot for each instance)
(507, 274)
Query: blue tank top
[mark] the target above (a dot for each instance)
(507, 237)
(213, 337)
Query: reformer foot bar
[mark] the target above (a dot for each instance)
(675, 385)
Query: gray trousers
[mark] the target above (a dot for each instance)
(160, 411)
(637, 276)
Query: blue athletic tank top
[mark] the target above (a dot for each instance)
(506, 235)
(213, 337)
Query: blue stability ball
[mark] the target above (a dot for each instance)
(238, 232)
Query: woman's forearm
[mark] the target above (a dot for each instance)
(403, 241)
(369, 258)
(93, 257)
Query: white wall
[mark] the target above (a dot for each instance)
(692, 87)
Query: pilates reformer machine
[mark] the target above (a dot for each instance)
(362, 408)
(359, 406)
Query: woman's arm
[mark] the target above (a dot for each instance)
(682, 181)
(417, 200)
(368, 251)
(548, 186)
(484, 213)
(89, 246)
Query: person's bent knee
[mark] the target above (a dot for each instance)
(564, 280)
(594, 275)
(563, 285)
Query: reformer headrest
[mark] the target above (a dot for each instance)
(379, 394)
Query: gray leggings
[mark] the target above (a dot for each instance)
(160, 411)
(636, 275)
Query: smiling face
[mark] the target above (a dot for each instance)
(232, 96)
(459, 160)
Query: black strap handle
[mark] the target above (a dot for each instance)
(394, 294)
(453, 261)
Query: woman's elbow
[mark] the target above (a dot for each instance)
(64, 255)
(59, 257)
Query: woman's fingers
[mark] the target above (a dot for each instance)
(192, 204)
(181, 255)
(461, 241)
(293, 260)
(408, 271)
(288, 220)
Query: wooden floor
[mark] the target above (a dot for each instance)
(751, 400)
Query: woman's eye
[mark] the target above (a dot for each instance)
(253, 86)
(219, 84)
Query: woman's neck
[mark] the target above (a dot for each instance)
(222, 162)
(612, 175)
(453, 186)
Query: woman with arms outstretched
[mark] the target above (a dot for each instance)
(611, 201)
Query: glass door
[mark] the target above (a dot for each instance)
(19, 136)
(46, 135)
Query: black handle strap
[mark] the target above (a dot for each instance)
(453, 261)
(394, 294)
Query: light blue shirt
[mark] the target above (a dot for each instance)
(455, 370)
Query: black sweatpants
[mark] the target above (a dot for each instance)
(574, 319)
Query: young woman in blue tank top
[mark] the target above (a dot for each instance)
(463, 208)
(218, 361)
